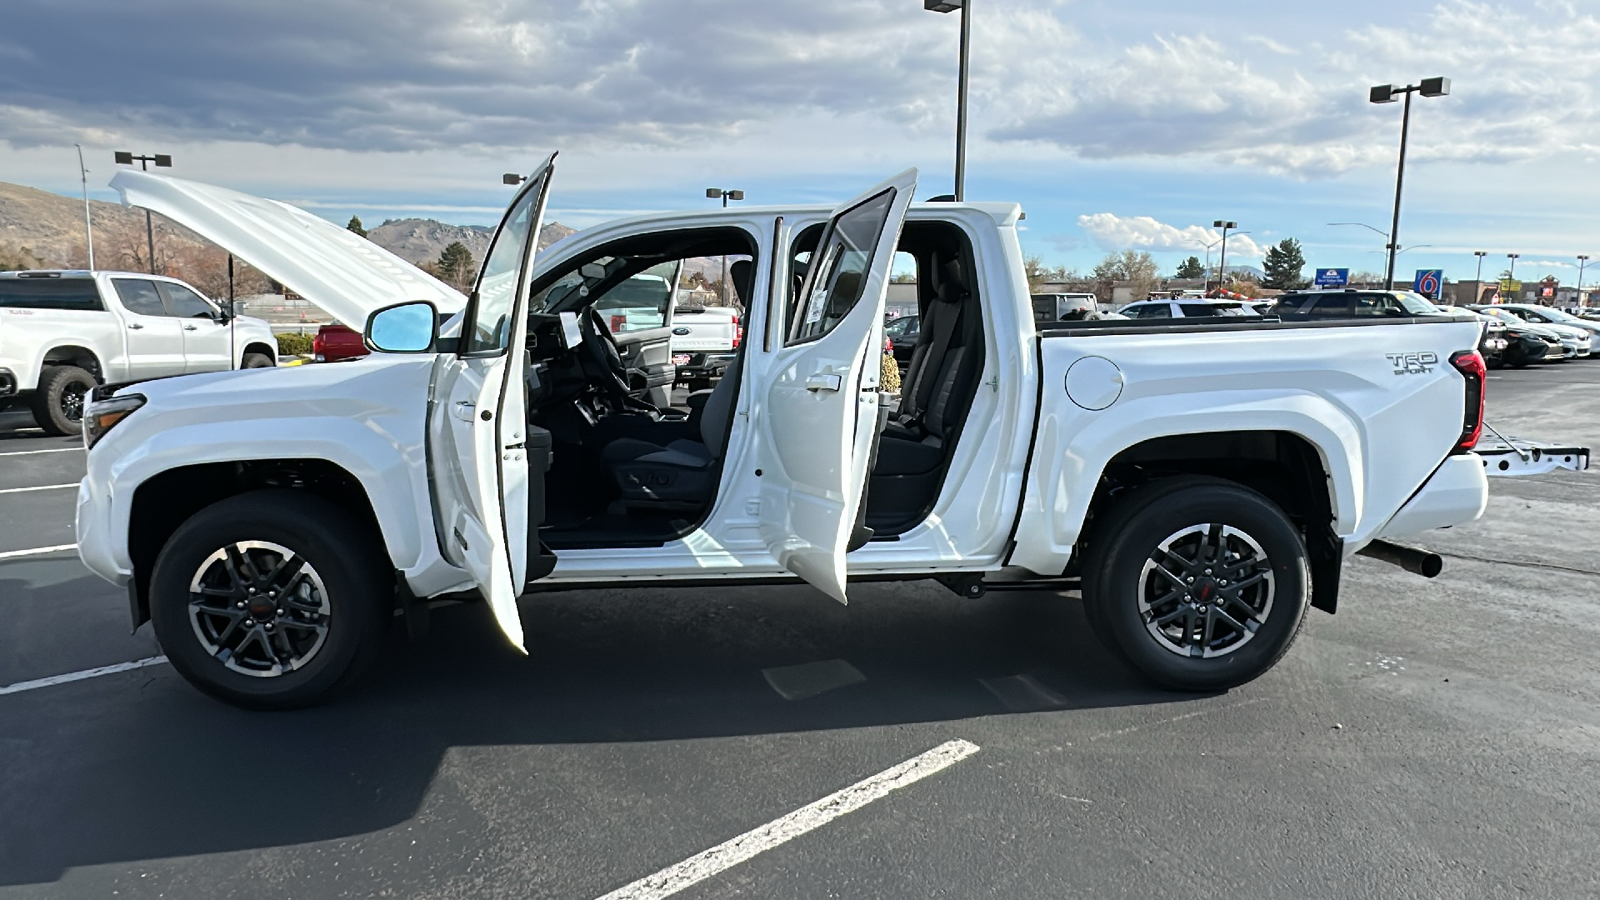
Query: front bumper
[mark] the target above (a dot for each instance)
(1457, 493)
(93, 526)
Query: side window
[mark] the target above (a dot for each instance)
(1368, 306)
(1328, 307)
(183, 303)
(1197, 310)
(140, 297)
(839, 269)
(1149, 311)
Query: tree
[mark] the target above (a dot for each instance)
(456, 265)
(1191, 268)
(1134, 266)
(355, 226)
(14, 259)
(1040, 274)
(1283, 265)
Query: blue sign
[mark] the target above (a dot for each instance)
(1429, 283)
(1327, 278)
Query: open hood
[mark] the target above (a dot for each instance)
(345, 274)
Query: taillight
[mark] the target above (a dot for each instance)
(738, 333)
(1472, 369)
(618, 323)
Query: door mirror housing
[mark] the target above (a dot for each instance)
(411, 327)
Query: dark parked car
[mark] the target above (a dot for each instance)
(903, 332)
(1496, 346)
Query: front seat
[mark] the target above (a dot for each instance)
(683, 473)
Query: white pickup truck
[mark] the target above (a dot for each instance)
(63, 332)
(1202, 482)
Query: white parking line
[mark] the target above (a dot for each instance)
(53, 450)
(46, 487)
(37, 551)
(726, 855)
(37, 683)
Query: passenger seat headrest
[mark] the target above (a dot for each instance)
(742, 274)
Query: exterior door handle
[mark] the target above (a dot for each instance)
(463, 410)
(188, 328)
(821, 382)
(135, 326)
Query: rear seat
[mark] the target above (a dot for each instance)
(933, 404)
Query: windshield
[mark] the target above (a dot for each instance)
(1416, 304)
(1556, 315)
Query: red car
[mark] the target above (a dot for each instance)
(336, 342)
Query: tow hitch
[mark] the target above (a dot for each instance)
(1511, 457)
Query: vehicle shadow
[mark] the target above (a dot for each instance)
(140, 766)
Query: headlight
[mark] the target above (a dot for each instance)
(103, 415)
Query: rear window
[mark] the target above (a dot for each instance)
(50, 293)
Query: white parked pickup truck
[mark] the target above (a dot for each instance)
(63, 332)
(1202, 482)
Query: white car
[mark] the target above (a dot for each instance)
(705, 339)
(1201, 483)
(1186, 309)
(64, 331)
(1576, 341)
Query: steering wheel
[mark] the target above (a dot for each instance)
(605, 358)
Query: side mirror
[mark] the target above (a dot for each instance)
(228, 310)
(411, 327)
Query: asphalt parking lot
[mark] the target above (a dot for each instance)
(1434, 739)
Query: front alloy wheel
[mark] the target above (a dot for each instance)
(259, 608)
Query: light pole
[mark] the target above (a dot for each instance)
(1208, 253)
(1478, 279)
(724, 195)
(162, 161)
(1222, 263)
(1385, 93)
(1380, 231)
(88, 222)
(512, 178)
(948, 6)
(1582, 260)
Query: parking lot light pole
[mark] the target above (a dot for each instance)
(1511, 272)
(512, 179)
(1385, 93)
(162, 161)
(1582, 260)
(1478, 279)
(724, 195)
(949, 6)
(1222, 263)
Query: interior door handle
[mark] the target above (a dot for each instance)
(135, 326)
(821, 382)
(463, 410)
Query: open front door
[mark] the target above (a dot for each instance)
(478, 421)
(820, 418)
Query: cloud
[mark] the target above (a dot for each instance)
(1543, 264)
(1114, 233)
(1306, 113)
(408, 75)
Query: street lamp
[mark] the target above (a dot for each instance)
(1385, 93)
(1208, 247)
(1380, 231)
(1511, 273)
(512, 178)
(1582, 260)
(948, 6)
(1222, 263)
(1478, 279)
(724, 195)
(162, 161)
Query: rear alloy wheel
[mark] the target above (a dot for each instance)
(1200, 583)
(60, 397)
(256, 361)
(271, 599)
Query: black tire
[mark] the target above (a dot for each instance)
(256, 361)
(357, 596)
(59, 399)
(1130, 535)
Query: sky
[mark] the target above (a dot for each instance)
(1118, 124)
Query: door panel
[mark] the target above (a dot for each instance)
(648, 358)
(819, 423)
(155, 339)
(207, 343)
(478, 423)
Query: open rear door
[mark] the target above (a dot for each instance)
(820, 417)
(478, 421)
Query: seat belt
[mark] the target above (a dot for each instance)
(944, 330)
